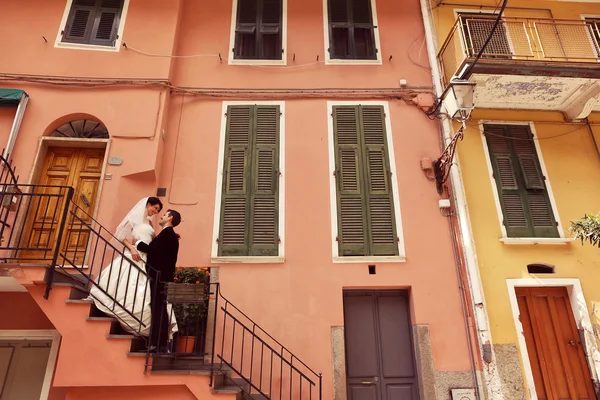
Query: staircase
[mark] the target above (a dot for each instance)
(241, 361)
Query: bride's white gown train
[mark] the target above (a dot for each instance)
(130, 288)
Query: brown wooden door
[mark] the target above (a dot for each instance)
(379, 349)
(558, 363)
(80, 168)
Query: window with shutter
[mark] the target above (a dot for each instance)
(258, 30)
(249, 224)
(351, 30)
(93, 22)
(365, 206)
(524, 198)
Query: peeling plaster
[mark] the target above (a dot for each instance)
(529, 92)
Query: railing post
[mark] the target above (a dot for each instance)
(214, 334)
(320, 386)
(61, 228)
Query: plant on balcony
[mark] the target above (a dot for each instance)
(587, 229)
(190, 316)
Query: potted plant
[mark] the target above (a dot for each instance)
(191, 282)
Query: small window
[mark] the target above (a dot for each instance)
(258, 30)
(94, 22)
(351, 30)
(522, 190)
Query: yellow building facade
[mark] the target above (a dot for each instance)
(529, 165)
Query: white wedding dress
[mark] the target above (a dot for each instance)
(129, 286)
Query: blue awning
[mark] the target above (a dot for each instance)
(10, 97)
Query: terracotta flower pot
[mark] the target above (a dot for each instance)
(185, 344)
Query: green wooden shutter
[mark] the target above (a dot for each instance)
(250, 193)
(366, 223)
(80, 21)
(383, 239)
(270, 36)
(246, 35)
(233, 235)
(264, 202)
(106, 24)
(351, 198)
(523, 196)
(533, 181)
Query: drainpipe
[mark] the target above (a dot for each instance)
(492, 381)
(14, 131)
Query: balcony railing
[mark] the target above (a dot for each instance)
(519, 39)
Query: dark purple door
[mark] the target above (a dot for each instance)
(379, 349)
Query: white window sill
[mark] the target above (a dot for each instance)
(259, 63)
(536, 241)
(247, 260)
(352, 62)
(80, 46)
(363, 260)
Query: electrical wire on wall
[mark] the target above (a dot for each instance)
(433, 114)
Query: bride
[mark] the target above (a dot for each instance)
(124, 280)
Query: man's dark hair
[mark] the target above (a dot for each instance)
(154, 201)
(176, 217)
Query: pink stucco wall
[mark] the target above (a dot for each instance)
(172, 141)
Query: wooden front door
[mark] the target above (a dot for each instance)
(558, 363)
(379, 348)
(80, 168)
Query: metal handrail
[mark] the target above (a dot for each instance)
(249, 378)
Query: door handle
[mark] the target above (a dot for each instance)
(85, 200)
(367, 382)
(571, 343)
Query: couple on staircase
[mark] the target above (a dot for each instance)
(126, 287)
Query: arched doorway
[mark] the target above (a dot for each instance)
(72, 155)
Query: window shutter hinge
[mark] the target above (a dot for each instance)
(544, 176)
(503, 222)
(279, 239)
(337, 239)
(377, 51)
(282, 51)
(225, 114)
(217, 240)
(493, 175)
(556, 222)
(329, 49)
(331, 115)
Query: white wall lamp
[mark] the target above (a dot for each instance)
(457, 101)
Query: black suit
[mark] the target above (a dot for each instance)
(162, 257)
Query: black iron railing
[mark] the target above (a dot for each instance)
(119, 286)
(218, 335)
(261, 364)
(42, 223)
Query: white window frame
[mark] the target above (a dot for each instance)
(44, 335)
(561, 240)
(582, 321)
(401, 257)
(81, 46)
(330, 61)
(215, 258)
(283, 61)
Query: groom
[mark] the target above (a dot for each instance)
(162, 257)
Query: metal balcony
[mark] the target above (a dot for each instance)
(522, 46)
